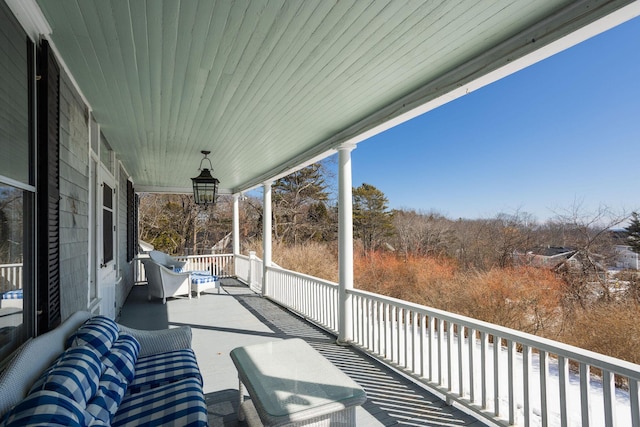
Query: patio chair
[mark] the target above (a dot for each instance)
(164, 283)
(167, 260)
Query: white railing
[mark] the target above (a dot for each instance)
(249, 270)
(242, 264)
(314, 298)
(10, 277)
(523, 380)
(220, 265)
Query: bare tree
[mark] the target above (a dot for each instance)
(588, 232)
(421, 233)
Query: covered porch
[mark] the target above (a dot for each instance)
(118, 98)
(238, 317)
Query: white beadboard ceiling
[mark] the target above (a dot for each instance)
(269, 85)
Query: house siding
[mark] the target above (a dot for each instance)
(74, 200)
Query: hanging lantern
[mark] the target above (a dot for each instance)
(205, 186)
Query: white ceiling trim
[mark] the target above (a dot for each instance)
(30, 17)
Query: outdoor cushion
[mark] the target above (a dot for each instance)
(159, 369)
(76, 375)
(46, 408)
(198, 277)
(98, 332)
(103, 406)
(180, 403)
(15, 294)
(122, 357)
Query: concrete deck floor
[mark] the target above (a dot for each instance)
(238, 317)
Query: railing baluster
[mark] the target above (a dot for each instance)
(511, 352)
(484, 342)
(460, 361)
(449, 356)
(375, 319)
(394, 333)
(584, 393)
(526, 377)
(634, 402)
(563, 378)
(423, 345)
(432, 327)
(544, 369)
(609, 393)
(407, 337)
(439, 350)
(414, 341)
(370, 325)
(471, 345)
(496, 375)
(386, 311)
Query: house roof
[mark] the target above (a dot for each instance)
(269, 86)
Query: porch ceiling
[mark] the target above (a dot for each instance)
(269, 85)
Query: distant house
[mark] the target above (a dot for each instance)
(626, 259)
(549, 257)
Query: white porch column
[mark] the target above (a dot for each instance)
(266, 235)
(235, 237)
(345, 243)
(236, 224)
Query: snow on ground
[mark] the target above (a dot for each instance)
(622, 413)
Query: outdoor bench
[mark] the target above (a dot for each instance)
(93, 371)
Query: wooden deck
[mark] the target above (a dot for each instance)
(237, 317)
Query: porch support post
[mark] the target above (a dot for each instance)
(345, 243)
(236, 230)
(266, 236)
(236, 224)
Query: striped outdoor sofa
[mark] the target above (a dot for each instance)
(92, 371)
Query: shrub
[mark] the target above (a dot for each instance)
(607, 328)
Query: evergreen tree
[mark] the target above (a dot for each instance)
(371, 217)
(634, 233)
(293, 196)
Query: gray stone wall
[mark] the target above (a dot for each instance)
(74, 200)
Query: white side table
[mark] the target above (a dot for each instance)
(291, 384)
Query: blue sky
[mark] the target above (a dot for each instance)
(562, 131)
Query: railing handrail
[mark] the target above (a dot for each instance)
(302, 276)
(203, 256)
(578, 354)
(19, 264)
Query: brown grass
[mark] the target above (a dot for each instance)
(525, 298)
(313, 258)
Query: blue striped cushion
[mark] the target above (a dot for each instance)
(122, 357)
(158, 369)
(99, 333)
(103, 406)
(15, 294)
(180, 403)
(46, 408)
(76, 375)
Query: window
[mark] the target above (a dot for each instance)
(107, 221)
(17, 190)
